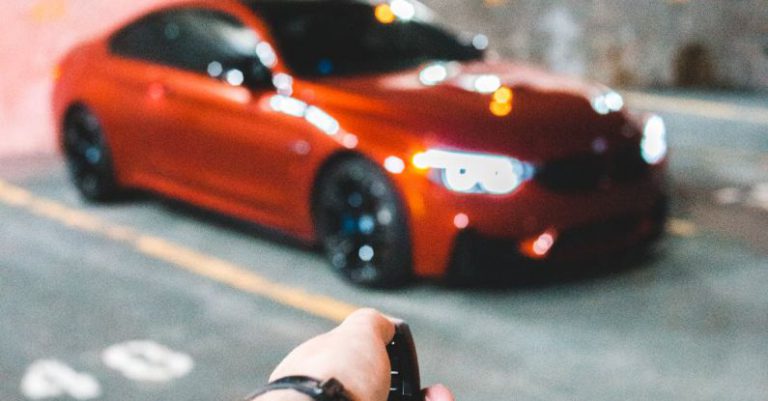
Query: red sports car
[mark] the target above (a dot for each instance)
(364, 127)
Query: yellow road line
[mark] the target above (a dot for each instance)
(177, 255)
(682, 228)
(696, 107)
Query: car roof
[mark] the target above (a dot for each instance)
(292, 6)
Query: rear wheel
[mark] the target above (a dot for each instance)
(361, 224)
(88, 157)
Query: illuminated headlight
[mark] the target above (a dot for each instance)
(654, 144)
(475, 173)
(608, 102)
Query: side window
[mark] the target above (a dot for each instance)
(141, 40)
(204, 41)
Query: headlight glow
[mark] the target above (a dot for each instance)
(654, 143)
(474, 172)
(501, 102)
(608, 102)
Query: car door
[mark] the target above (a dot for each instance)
(217, 138)
(130, 75)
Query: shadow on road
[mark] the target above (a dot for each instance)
(215, 219)
(533, 277)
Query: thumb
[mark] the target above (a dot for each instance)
(438, 393)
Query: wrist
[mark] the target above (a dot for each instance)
(292, 388)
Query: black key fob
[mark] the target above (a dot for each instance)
(406, 384)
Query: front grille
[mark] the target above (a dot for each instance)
(476, 255)
(591, 171)
(649, 225)
(595, 233)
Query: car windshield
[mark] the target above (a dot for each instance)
(341, 38)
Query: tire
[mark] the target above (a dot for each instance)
(361, 224)
(88, 157)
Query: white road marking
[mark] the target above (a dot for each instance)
(754, 197)
(178, 256)
(697, 107)
(682, 228)
(147, 361)
(728, 196)
(758, 196)
(50, 378)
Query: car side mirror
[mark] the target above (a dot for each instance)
(257, 76)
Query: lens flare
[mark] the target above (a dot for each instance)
(501, 102)
(394, 165)
(503, 95)
(433, 74)
(501, 109)
(540, 246)
(487, 83)
(461, 221)
(384, 14)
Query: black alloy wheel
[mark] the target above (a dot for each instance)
(88, 157)
(361, 224)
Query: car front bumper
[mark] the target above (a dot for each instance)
(505, 232)
(475, 253)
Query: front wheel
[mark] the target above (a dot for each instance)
(88, 157)
(361, 224)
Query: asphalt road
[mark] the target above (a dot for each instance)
(151, 300)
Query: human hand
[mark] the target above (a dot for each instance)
(355, 354)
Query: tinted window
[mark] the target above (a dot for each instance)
(142, 39)
(199, 40)
(336, 38)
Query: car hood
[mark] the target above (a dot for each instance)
(551, 116)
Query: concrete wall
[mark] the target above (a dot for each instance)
(35, 35)
(645, 43)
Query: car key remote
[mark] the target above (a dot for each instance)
(406, 384)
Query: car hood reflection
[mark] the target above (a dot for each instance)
(546, 113)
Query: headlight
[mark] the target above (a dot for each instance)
(474, 172)
(654, 143)
(608, 102)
